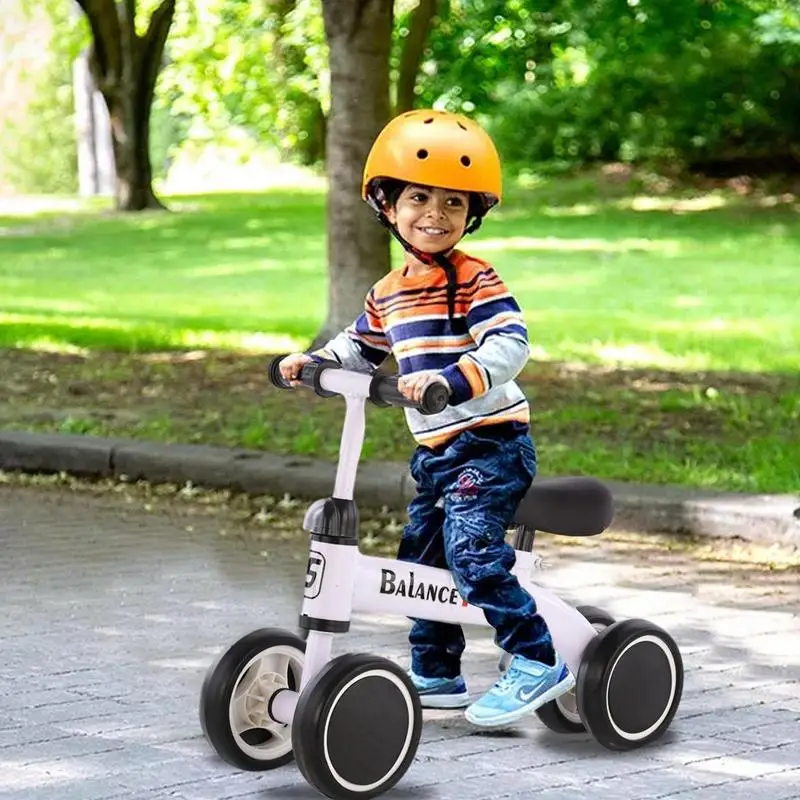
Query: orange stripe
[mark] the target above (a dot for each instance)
(373, 318)
(482, 290)
(379, 342)
(518, 416)
(393, 282)
(413, 312)
(435, 441)
(402, 347)
(474, 375)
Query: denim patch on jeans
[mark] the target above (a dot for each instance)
(481, 480)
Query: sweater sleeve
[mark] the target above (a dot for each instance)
(362, 346)
(497, 327)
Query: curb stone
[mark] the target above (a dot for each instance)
(773, 519)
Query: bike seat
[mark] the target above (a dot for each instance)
(573, 506)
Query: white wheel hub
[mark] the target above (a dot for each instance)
(255, 732)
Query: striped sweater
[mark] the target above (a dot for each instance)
(479, 353)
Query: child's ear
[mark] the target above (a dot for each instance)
(391, 214)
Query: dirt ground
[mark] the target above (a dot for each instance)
(43, 386)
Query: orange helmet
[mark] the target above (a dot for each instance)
(435, 148)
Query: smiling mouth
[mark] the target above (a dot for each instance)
(432, 231)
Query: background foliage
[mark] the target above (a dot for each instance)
(38, 151)
(709, 84)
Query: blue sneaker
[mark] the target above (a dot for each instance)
(525, 686)
(441, 692)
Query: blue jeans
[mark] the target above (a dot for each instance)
(481, 478)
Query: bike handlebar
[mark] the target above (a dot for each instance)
(380, 389)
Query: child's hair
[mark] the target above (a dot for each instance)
(392, 189)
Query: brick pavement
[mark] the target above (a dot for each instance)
(111, 616)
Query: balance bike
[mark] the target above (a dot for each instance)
(353, 722)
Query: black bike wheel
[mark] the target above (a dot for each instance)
(357, 727)
(235, 697)
(630, 684)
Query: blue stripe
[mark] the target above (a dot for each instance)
(428, 328)
(462, 391)
(480, 313)
(512, 330)
(436, 361)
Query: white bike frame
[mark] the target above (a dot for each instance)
(341, 580)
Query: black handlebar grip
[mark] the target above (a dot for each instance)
(275, 373)
(383, 391)
(434, 398)
(309, 375)
(307, 372)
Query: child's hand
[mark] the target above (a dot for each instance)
(290, 367)
(413, 386)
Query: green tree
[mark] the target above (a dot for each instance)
(260, 66)
(125, 60)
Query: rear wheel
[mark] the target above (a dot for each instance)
(236, 695)
(561, 715)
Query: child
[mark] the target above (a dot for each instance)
(431, 176)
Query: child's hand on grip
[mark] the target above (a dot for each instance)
(291, 366)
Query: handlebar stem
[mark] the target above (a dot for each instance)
(355, 390)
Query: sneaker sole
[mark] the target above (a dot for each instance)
(512, 716)
(444, 700)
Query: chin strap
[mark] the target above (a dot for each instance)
(439, 259)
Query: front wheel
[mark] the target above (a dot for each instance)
(357, 727)
(236, 694)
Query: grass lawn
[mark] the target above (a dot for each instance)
(665, 326)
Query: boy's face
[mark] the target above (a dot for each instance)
(430, 219)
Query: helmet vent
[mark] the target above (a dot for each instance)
(465, 160)
(422, 154)
(462, 126)
(429, 120)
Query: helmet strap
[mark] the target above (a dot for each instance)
(440, 259)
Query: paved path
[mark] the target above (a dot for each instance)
(111, 615)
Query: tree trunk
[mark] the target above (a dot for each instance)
(134, 184)
(125, 67)
(411, 58)
(359, 39)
